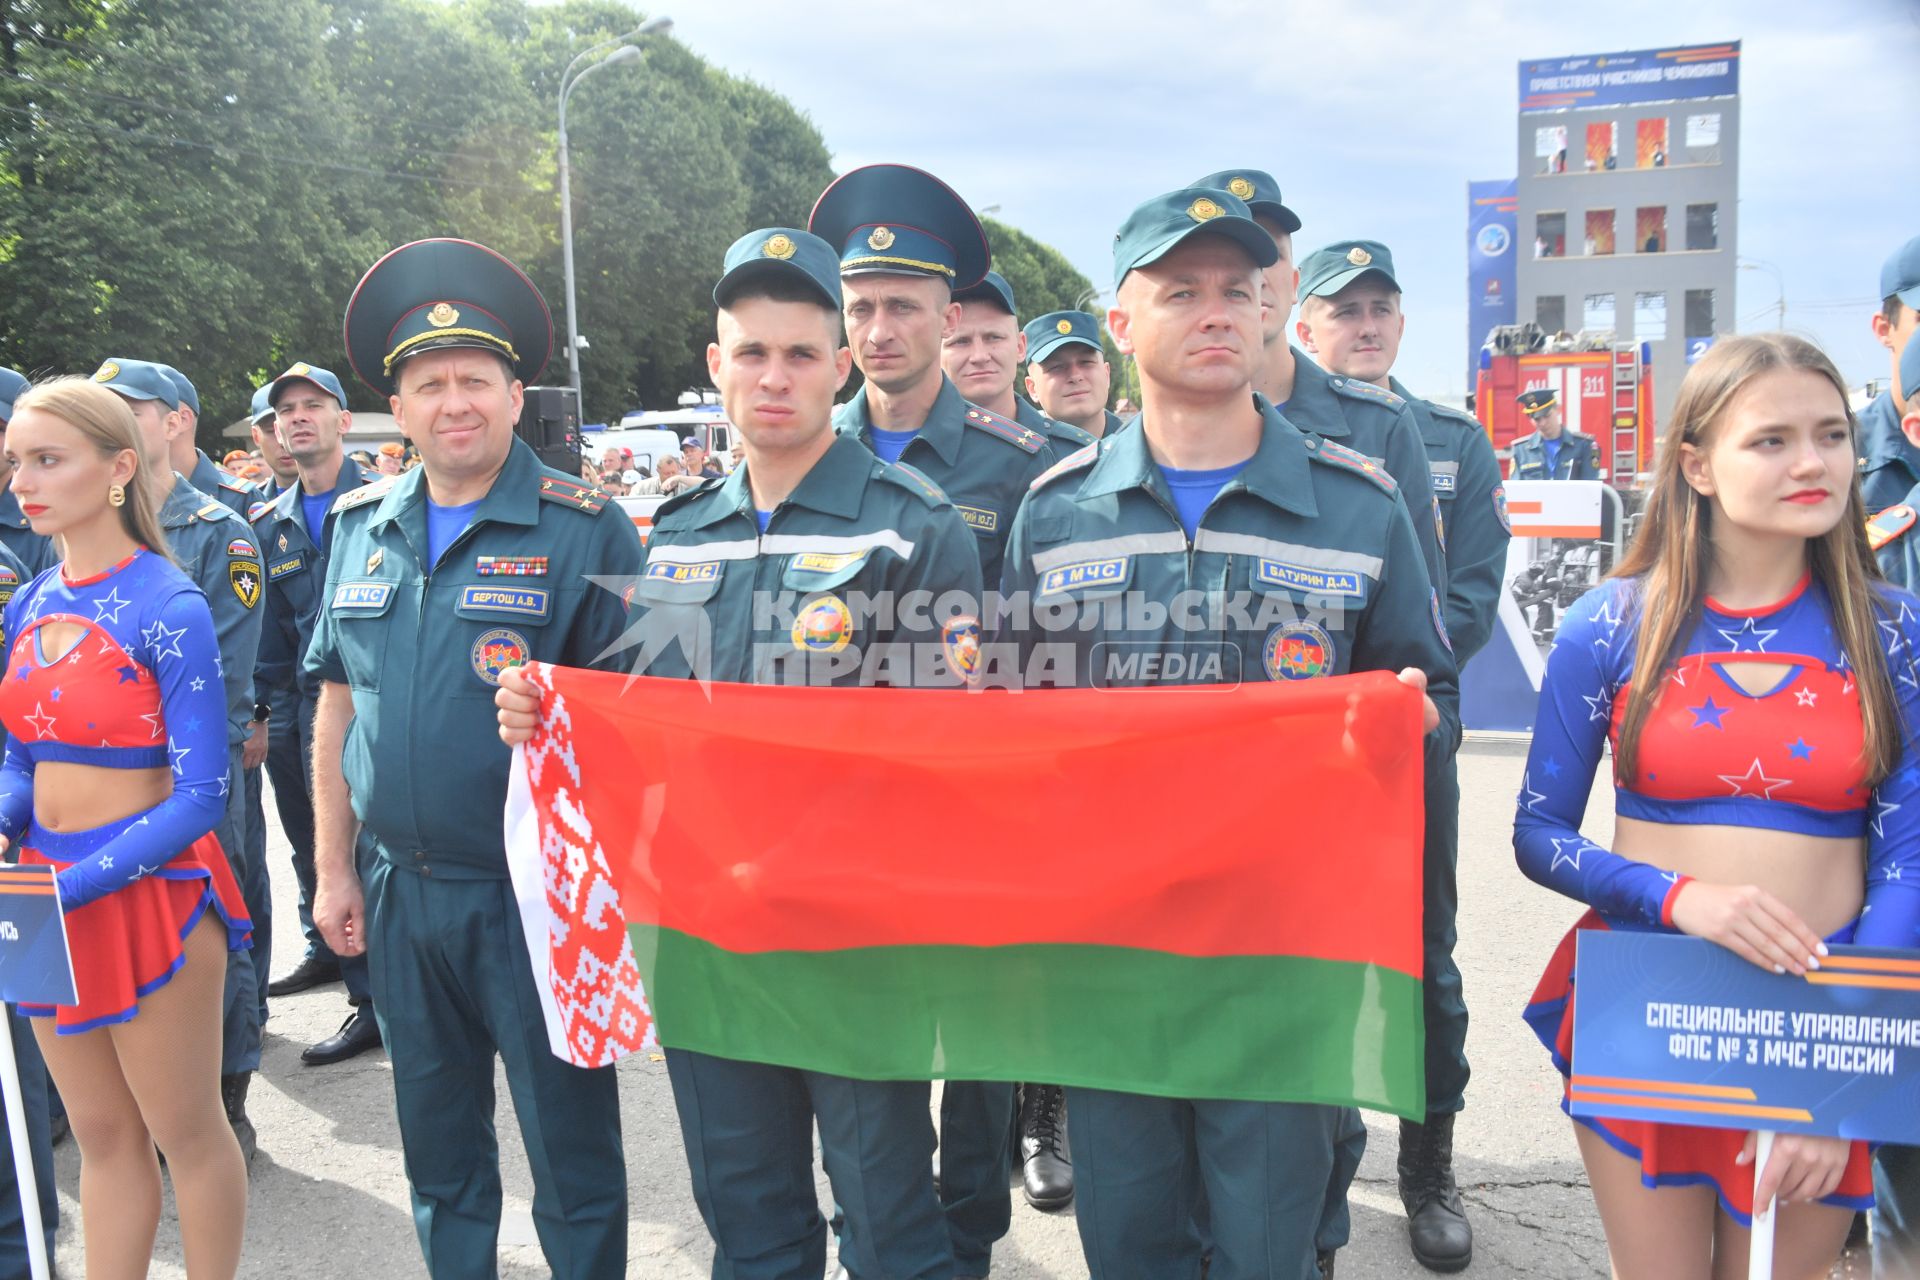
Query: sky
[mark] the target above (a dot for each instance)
(1372, 117)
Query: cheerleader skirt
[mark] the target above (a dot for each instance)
(131, 942)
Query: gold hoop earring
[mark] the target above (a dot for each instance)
(117, 496)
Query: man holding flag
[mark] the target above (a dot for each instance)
(438, 581)
(805, 566)
(1216, 493)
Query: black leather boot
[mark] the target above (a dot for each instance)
(1437, 1224)
(233, 1093)
(1046, 1171)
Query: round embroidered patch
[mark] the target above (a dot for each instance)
(1298, 651)
(497, 650)
(825, 625)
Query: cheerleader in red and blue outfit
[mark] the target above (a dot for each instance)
(1758, 685)
(115, 773)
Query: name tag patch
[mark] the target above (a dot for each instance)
(362, 595)
(661, 571)
(282, 568)
(979, 519)
(527, 600)
(825, 561)
(1299, 577)
(1086, 573)
(1443, 481)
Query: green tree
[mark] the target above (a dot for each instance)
(1042, 278)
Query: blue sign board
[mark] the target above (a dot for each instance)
(35, 964)
(1492, 233)
(1616, 79)
(1697, 347)
(1678, 1030)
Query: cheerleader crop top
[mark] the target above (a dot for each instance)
(141, 688)
(1784, 759)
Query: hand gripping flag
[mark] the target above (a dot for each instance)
(1192, 892)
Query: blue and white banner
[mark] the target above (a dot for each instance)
(1615, 79)
(1678, 1030)
(1492, 230)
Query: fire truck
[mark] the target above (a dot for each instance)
(1605, 388)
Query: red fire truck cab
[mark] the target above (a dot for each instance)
(1605, 387)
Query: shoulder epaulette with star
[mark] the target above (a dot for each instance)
(364, 494)
(574, 494)
(1072, 462)
(1350, 460)
(1889, 524)
(915, 480)
(1006, 428)
(1355, 390)
(1075, 437)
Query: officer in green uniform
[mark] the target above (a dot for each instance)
(1359, 415)
(293, 531)
(1365, 418)
(34, 551)
(1890, 532)
(1350, 319)
(215, 548)
(906, 243)
(1889, 461)
(982, 356)
(192, 461)
(437, 581)
(1553, 450)
(805, 566)
(1311, 537)
(1067, 371)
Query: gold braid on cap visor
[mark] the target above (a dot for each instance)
(505, 347)
(898, 262)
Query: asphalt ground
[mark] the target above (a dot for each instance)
(329, 1195)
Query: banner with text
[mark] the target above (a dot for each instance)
(1616, 79)
(36, 965)
(1678, 1030)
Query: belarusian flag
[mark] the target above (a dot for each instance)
(1197, 892)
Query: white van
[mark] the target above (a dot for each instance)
(706, 423)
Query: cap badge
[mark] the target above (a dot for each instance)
(442, 315)
(302, 368)
(1065, 326)
(1203, 209)
(1242, 188)
(881, 239)
(107, 372)
(780, 246)
(1359, 257)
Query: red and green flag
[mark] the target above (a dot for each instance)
(1194, 892)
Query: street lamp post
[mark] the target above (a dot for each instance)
(625, 52)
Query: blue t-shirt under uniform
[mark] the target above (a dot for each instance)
(1194, 491)
(1550, 449)
(762, 517)
(890, 444)
(444, 524)
(314, 506)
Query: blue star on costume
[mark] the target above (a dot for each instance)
(1708, 714)
(1749, 637)
(1799, 749)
